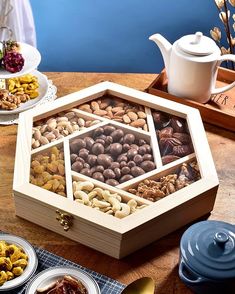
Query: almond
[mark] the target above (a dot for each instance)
(132, 115)
(141, 114)
(139, 123)
(95, 106)
(100, 112)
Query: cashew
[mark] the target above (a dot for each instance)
(87, 186)
(100, 204)
(133, 204)
(99, 192)
(81, 195)
(125, 211)
(106, 195)
(116, 205)
(92, 194)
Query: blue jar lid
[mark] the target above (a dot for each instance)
(208, 248)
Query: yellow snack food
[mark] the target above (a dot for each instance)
(13, 261)
(27, 84)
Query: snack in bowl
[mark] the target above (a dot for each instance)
(13, 261)
(27, 84)
(67, 284)
(18, 260)
(62, 280)
(10, 101)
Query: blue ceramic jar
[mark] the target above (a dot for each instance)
(207, 258)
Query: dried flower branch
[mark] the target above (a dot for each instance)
(224, 15)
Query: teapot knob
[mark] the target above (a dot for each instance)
(198, 37)
(221, 238)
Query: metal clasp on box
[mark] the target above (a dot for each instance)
(64, 219)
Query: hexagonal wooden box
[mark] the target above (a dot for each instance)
(177, 187)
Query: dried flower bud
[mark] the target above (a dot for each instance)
(224, 50)
(232, 2)
(219, 3)
(223, 16)
(215, 34)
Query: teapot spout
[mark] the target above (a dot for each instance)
(165, 48)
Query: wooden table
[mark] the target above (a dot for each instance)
(158, 260)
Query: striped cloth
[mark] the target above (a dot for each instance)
(47, 259)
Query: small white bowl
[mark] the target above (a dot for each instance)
(30, 268)
(51, 275)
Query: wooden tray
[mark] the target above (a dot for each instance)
(219, 111)
(106, 233)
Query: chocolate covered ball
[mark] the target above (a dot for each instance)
(115, 149)
(98, 176)
(97, 149)
(105, 160)
(86, 172)
(91, 159)
(112, 182)
(109, 174)
(108, 130)
(89, 142)
(76, 145)
(73, 157)
(98, 131)
(147, 165)
(137, 171)
(129, 139)
(125, 178)
(131, 153)
(117, 135)
(83, 153)
(77, 166)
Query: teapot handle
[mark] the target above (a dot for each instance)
(230, 86)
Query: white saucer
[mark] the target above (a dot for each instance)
(43, 88)
(51, 275)
(30, 268)
(32, 58)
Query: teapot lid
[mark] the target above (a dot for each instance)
(208, 247)
(197, 44)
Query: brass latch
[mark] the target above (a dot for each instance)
(64, 219)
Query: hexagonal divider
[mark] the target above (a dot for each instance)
(56, 170)
(151, 127)
(126, 196)
(170, 169)
(139, 134)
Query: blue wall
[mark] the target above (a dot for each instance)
(112, 35)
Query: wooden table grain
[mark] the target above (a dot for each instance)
(158, 260)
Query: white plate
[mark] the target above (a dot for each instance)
(30, 268)
(51, 275)
(32, 58)
(43, 88)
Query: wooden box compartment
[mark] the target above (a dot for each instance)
(165, 140)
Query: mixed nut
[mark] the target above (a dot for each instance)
(85, 192)
(48, 171)
(10, 101)
(59, 126)
(111, 155)
(118, 110)
(155, 190)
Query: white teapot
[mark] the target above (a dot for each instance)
(191, 65)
